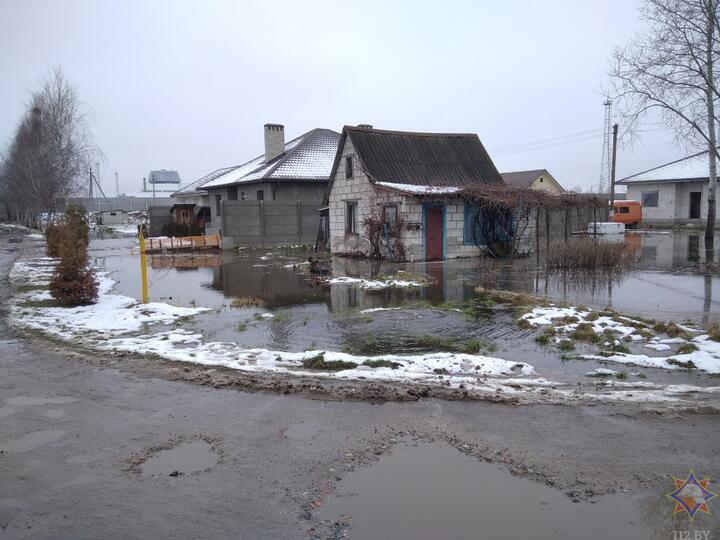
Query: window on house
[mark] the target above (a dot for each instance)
(541, 179)
(113, 214)
(351, 217)
(232, 193)
(650, 199)
(390, 214)
(624, 209)
(348, 167)
(242, 195)
(260, 195)
(473, 233)
(218, 204)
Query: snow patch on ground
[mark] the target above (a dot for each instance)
(373, 283)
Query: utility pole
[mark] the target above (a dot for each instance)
(612, 170)
(152, 179)
(117, 186)
(605, 161)
(90, 193)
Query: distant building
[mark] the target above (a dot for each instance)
(111, 217)
(539, 179)
(287, 172)
(672, 194)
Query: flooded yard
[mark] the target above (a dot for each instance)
(268, 299)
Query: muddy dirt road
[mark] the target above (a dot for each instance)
(83, 449)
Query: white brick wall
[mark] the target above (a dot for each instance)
(359, 188)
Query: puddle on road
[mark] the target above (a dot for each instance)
(434, 491)
(185, 458)
(31, 441)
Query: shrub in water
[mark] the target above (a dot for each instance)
(587, 253)
(73, 283)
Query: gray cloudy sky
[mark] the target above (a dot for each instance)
(188, 85)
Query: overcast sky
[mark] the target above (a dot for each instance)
(188, 85)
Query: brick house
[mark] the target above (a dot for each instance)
(413, 178)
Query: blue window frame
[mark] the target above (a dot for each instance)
(473, 229)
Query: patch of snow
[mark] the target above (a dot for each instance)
(376, 309)
(602, 372)
(658, 346)
(373, 284)
(420, 190)
(35, 236)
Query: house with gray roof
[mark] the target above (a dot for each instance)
(672, 194)
(296, 171)
(410, 184)
(539, 179)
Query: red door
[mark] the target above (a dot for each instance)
(434, 216)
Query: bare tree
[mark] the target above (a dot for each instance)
(670, 68)
(49, 153)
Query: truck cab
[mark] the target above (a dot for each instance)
(627, 212)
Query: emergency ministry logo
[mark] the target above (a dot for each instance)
(691, 495)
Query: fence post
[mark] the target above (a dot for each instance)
(298, 217)
(261, 210)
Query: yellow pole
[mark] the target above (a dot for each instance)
(143, 268)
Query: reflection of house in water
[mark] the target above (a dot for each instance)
(671, 250)
(276, 285)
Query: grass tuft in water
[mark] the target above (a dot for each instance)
(246, 302)
(318, 362)
(566, 345)
(382, 363)
(687, 348)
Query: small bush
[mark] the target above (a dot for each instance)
(53, 233)
(318, 362)
(585, 332)
(74, 283)
(586, 253)
(714, 332)
(566, 345)
(543, 339)
(687, 348)
(621, 375)
(246, 302)
(382, 363)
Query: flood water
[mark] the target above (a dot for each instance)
(434, 491)
(670, 282)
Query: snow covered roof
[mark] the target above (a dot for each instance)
(194, 188)
(690, 168)
(307, 158)
(414, 189)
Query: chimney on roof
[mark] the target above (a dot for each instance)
(274, 141)
(366, 126)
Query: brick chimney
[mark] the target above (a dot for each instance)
(365, 126)
(274, 141)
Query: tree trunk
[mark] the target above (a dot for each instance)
(712, 142)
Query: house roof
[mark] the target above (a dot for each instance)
(306, 158)
(687, 169)
(521, 179)
(421, 159)
(195, 187)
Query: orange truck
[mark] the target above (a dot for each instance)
(627, 212)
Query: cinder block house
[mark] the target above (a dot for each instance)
(539, 179)
(266, 200)
(672, 194)
(415, 179)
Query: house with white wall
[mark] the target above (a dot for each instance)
(538, 179)
(672, 194)
(413, 177)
